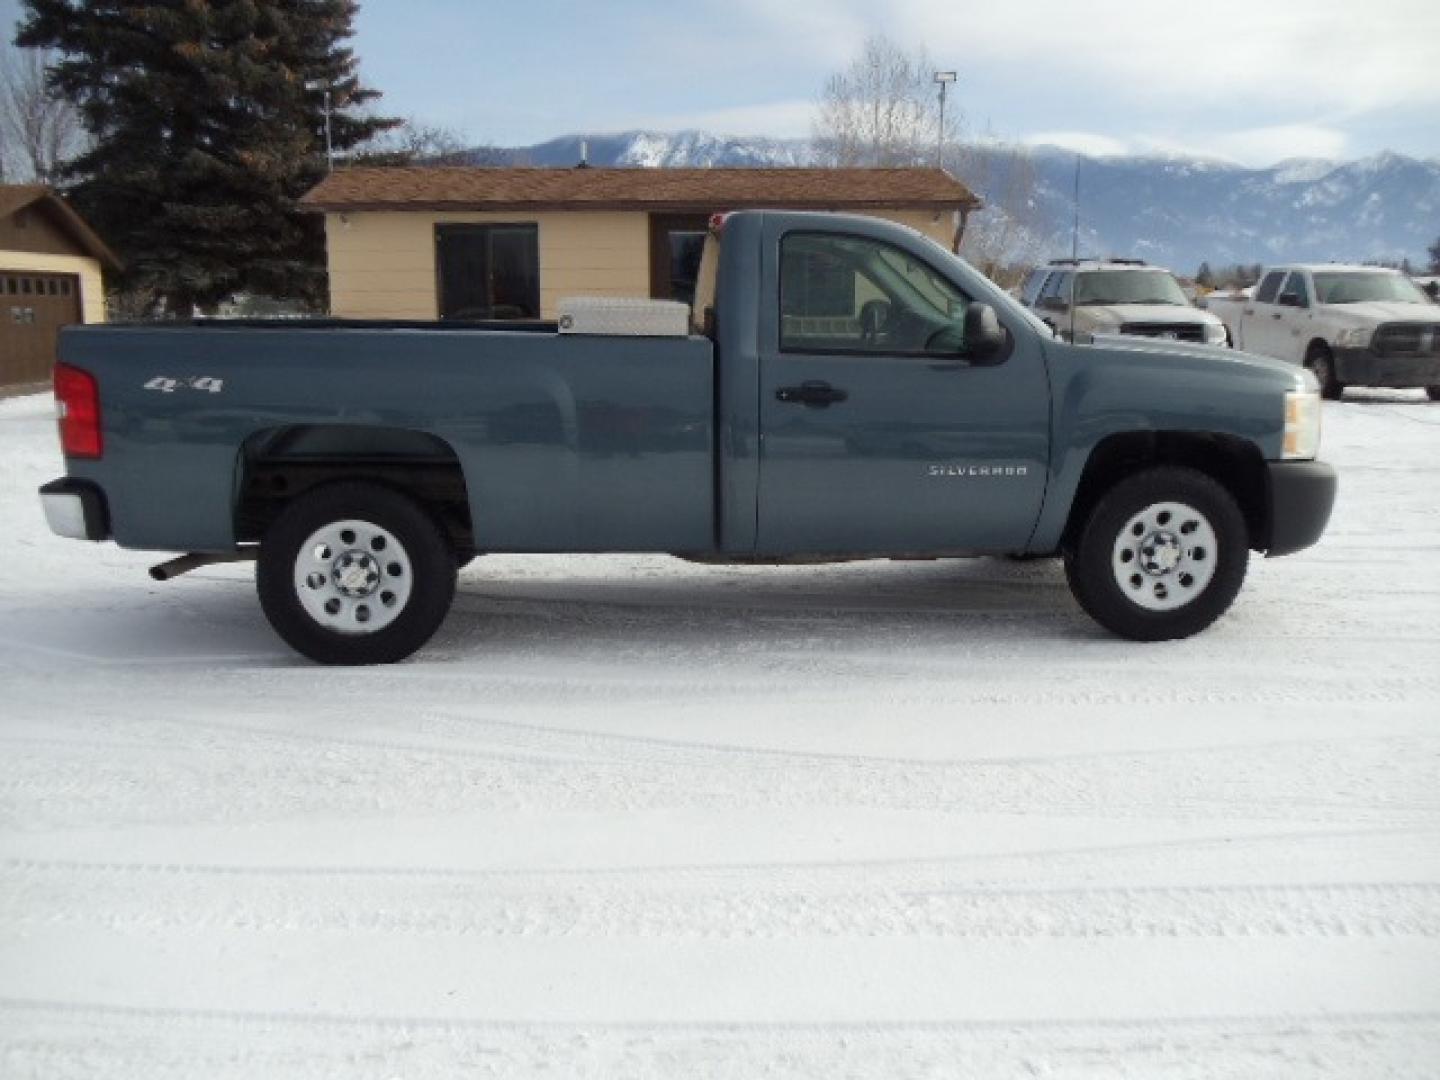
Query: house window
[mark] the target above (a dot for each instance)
(488, 271)
(676, 243)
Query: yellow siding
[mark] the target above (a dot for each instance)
(382, 263)
(92, 285)
(938, 225)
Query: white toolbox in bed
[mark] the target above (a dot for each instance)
(623, 317)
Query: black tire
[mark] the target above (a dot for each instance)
(1433, 392)
(425, 570)
(1093, 565)
(1320, 360)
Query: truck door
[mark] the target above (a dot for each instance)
(1260, 319)
(1292, 328)
(878, 433)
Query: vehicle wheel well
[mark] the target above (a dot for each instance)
(1235, 463)
(1315, 347)
(278, 464)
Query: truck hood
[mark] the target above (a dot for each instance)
(1122, 347)
(1115, 314)
(1374, 312)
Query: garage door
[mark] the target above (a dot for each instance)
(33, 307)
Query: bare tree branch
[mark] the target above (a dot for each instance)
(415, 142)
(882, 110)
(39, 129)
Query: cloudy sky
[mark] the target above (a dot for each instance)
(1250, 82)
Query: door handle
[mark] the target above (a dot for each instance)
(815, 393)
(1275, 315)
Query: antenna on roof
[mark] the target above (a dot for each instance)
(1075, 246)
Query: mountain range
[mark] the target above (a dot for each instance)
(1172, 210)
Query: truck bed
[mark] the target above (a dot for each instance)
(566, 443)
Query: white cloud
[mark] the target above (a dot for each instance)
(1309, 54)
(1263, 145)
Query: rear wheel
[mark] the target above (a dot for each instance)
(1433, 392)
(1322, 362)
(1162, 555)
(355, 573)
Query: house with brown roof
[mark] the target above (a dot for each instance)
(458, 243)
(51, 267)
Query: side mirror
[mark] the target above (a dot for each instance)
(986, 341)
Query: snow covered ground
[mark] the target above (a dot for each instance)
(629, 817)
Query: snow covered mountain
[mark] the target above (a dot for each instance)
(1173, 210)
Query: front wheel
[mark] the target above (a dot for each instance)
(355, 573)
(1433, 392)
(1162, 555)
(1322, 363)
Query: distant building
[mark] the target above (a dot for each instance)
(457, 243)
(51, 266)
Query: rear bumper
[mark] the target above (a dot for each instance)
(76, 509)
(1302, 494)
(1362, 367)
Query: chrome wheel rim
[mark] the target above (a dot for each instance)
(353, 577)
(1165, 556)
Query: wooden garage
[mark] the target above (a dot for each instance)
(51, 274)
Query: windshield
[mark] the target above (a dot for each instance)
(1128, 287)
(1356, 288)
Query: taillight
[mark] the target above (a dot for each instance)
(78, 397)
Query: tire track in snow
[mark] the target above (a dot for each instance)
(693, 902)
(181, 1044)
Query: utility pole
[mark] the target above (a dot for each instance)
(944, 78)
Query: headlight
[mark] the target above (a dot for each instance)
(1302, 425)
(1215, 333)
(1355, 337)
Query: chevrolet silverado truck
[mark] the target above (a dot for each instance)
(1350, 325)
(845, 389)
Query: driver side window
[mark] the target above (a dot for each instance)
(850, 294)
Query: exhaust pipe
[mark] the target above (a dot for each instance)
(185, 563)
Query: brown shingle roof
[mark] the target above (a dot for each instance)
(638, 189)
(16, 197)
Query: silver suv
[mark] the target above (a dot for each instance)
(1117, 296)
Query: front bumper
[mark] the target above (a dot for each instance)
(1364, 367)
(76, 509)
(1302, 494)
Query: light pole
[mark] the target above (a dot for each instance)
(944, 78)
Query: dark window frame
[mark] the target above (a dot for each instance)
(662, 228)
(486, 229)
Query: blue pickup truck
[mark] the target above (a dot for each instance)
(845, 389)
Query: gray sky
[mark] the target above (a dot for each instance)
(1250, 82)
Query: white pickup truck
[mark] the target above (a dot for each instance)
(1350, 325)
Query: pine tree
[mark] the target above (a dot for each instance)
(1434, 254)
(1204, 277)
(206, 120)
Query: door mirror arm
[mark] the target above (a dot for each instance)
(987, 342)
